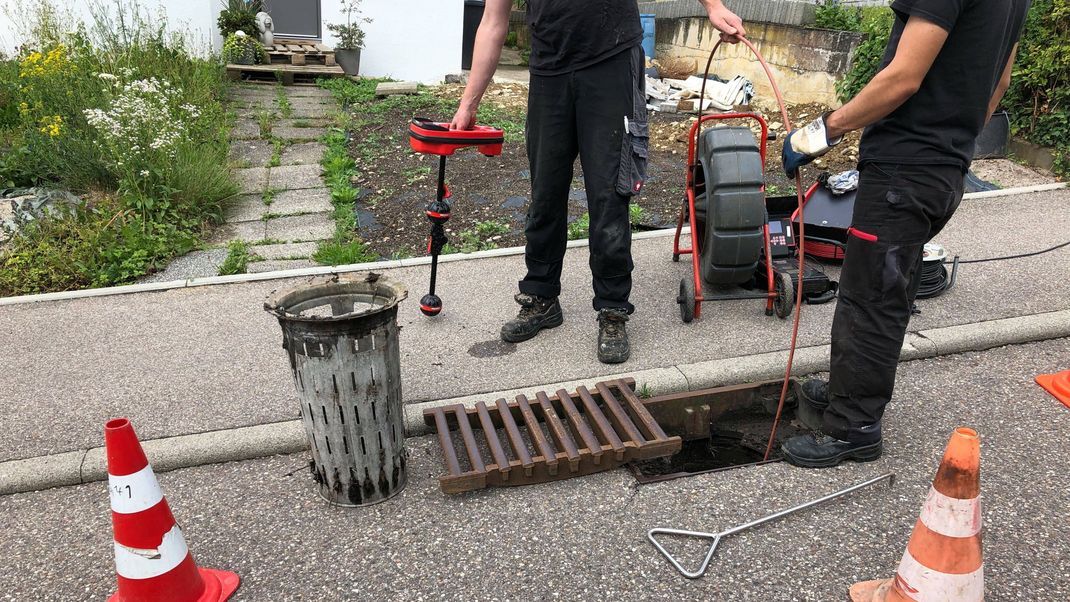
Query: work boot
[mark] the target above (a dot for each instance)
(535, 314)
(813, 395)
(818, 450)
(613, 347)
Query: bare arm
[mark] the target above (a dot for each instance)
(730, 26)
(1001, 87)
(920, 43)
(488, 49)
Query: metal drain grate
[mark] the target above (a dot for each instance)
(547, 439)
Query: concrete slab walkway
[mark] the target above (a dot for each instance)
(202, 359)
(585, 539)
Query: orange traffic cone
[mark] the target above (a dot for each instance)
(943, 559)
(1058, 385)
(151, 558)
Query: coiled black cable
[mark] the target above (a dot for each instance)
(935, 279)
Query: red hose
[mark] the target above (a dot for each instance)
(802, 230)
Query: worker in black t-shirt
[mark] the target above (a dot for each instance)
(945, 70)
(587, 98)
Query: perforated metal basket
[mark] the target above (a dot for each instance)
(341, 336)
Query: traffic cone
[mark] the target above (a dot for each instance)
(943, 559)
(152, 561)
(1058, 385)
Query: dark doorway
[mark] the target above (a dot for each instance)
(295, 18)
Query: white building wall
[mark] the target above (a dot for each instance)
(195, 19)
(417, 40)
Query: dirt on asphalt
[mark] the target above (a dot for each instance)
(491, 194)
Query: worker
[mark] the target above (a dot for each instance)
(586, 97)
(946, 67)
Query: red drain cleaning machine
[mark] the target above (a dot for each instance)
(431, 138)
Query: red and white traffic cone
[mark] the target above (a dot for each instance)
(151, 558)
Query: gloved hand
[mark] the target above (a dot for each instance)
(804, 145)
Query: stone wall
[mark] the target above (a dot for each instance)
(805, 62)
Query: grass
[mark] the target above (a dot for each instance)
(265, 119)
(276, 152)
(481, 238)
(345, 247)
(238, 257)
(644, 392)
(269, 195)
(285, 108)
(580, 228)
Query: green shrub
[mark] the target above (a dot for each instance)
(1038, 100)
(866, 61)
(239, 15)
(835, 14)
(242, 49)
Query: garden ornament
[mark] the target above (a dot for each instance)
(266, 27)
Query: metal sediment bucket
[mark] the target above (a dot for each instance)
(341, 335)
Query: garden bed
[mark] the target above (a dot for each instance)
(491, 194)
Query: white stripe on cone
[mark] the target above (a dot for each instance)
(923, 584)
(135, 492)
(951, 516)
(134, 563)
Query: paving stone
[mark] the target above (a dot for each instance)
(302, 153)
(307, 200)
(245, 208)
(292, 133)
(292, 250)
(247, 231)
(312, 111)
(251, 153)
(253, 180)
(245, 129)
(197, 264)
(391, 88)
(258, 267)
(294, 177)
(312, 226)
(308, 92)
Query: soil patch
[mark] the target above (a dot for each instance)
(491, 194)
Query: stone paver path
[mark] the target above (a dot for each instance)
(284, 207)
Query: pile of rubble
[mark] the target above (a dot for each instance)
(695, 94)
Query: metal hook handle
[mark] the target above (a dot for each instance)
(716, 537)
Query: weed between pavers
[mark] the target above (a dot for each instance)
(285, 108)
(238, 258)
(345, 247)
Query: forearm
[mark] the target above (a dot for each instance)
(488, 50)
(884, 94)
(993, 104)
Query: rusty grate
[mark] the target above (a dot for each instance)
(548, 438)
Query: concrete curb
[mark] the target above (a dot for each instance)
(388, 265)
(246, 443)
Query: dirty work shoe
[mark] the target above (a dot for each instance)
(818, 450)
(613, 347)
(813, 397)
(535, 314)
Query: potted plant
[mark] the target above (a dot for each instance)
(350, 37)
(240, 49)
(239, 15)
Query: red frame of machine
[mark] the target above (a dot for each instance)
(695, 250)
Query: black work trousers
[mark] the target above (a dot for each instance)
(599, 113)
(897, 210)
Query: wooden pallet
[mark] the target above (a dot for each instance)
(293, 52)
(589, 431)
(288, 74)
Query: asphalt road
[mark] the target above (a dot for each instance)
(585, 538)
(193, 360)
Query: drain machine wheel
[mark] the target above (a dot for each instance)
(686, 299)
(785, 295)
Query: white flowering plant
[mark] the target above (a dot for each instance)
(141, 129)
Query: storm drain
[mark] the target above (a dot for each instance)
(548, 438)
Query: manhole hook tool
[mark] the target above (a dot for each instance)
(716, 537)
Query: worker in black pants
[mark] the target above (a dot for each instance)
(944, 72)
(586, 98)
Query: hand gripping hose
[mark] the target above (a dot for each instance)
(801, 221)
